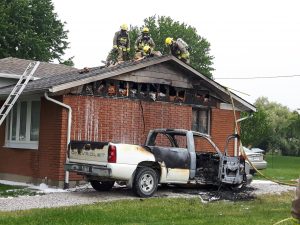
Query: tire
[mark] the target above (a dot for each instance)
(145, 182)
(102, 185)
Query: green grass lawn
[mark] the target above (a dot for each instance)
(283, 168)
(262, 211)
(4, 187)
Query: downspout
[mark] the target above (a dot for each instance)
(235, 140)
(66, 183)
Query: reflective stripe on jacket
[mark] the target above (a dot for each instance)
(121, 39)
(141, 42)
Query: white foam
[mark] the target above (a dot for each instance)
(42, 188)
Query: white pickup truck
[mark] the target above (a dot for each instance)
(169, 156)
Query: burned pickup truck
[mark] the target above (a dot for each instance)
(169, 156)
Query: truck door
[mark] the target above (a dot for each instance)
(172, 153)
(207, 160)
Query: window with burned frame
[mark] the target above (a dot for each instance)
(201, 120)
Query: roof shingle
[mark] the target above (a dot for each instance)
(17, 66)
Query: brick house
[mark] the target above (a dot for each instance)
(117, 104)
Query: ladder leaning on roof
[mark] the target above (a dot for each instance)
(17, 90)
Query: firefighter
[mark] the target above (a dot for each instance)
(142, 41)
(179, 49)
(296, 205)
(121, 46)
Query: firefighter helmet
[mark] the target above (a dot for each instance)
(168, 41)
(146, 49)
(145, 30)
(124, 26)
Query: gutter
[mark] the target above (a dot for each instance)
(236, 132)
(66, 183)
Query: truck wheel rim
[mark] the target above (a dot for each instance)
(147, 182)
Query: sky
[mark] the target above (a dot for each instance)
(249, 38)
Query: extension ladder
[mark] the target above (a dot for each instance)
(17, 90)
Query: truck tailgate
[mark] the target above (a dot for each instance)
(88, 152)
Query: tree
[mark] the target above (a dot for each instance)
(272, 127)
(294, 128)
(68, 62)
(30, 29)
(163, 27)
(256, 130)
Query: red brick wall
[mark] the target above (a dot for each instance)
(222, 125)
(52, 143)
(122, 120)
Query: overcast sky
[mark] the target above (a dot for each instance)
(248, 38)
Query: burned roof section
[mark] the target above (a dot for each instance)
(163, 69)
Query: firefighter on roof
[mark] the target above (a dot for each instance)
(179, 49)
(121, 45)
(142, 43)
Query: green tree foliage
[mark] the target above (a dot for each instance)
(30, 29)
(133, 35)
(256, 131)
(162, 27)
(273, 127)
(68, 62)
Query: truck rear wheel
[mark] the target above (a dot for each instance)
(102, 185)
(145, 182)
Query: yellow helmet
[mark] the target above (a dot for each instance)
(145, 30)
(168, 41)
(124, 26)
(146, 48)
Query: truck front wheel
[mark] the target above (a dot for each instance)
(102, 185)
(145, 182)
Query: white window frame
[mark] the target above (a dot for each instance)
(27, 144)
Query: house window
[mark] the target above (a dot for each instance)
(23, 124)
(201, 120)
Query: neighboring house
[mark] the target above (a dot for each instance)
(117, 104)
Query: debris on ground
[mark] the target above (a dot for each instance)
(212, 193)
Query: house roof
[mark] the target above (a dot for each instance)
(71, 79)
(13, 67)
